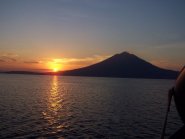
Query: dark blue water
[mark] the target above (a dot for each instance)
(81, 107)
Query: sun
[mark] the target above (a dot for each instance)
(55, 69)
(54, 65)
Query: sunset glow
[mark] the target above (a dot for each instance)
(54, 66)
(55, 70)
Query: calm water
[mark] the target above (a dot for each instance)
(81, 107)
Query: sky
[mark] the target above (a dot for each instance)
(46, 35)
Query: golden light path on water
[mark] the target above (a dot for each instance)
(55, 114)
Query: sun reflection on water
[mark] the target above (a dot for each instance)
(54, 99)
(53, 114)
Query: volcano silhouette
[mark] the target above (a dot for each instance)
(123, 65)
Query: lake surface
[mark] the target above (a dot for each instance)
(33, 106)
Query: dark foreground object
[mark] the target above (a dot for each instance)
(180, 134)
(179, 97)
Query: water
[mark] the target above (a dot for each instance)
(33, 106)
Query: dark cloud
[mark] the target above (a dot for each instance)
(31, 62)
(1, 60)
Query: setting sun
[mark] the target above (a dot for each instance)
(55, 69)
(54, 65)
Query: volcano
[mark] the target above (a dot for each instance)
(123, 65)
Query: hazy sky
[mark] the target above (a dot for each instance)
(42, 34)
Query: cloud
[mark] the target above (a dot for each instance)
(72, 63)
(80, 61)
(1, 60)
(32, 62)
(8, 57)
(11, 55)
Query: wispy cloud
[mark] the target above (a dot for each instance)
(72, 63)
(86, 60)
(1, 60)
(8, 57)
(32, 62)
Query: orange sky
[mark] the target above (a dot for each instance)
(10, 61)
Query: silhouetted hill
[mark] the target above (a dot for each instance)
(123, 65)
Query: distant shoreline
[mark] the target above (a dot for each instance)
(59, 74)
